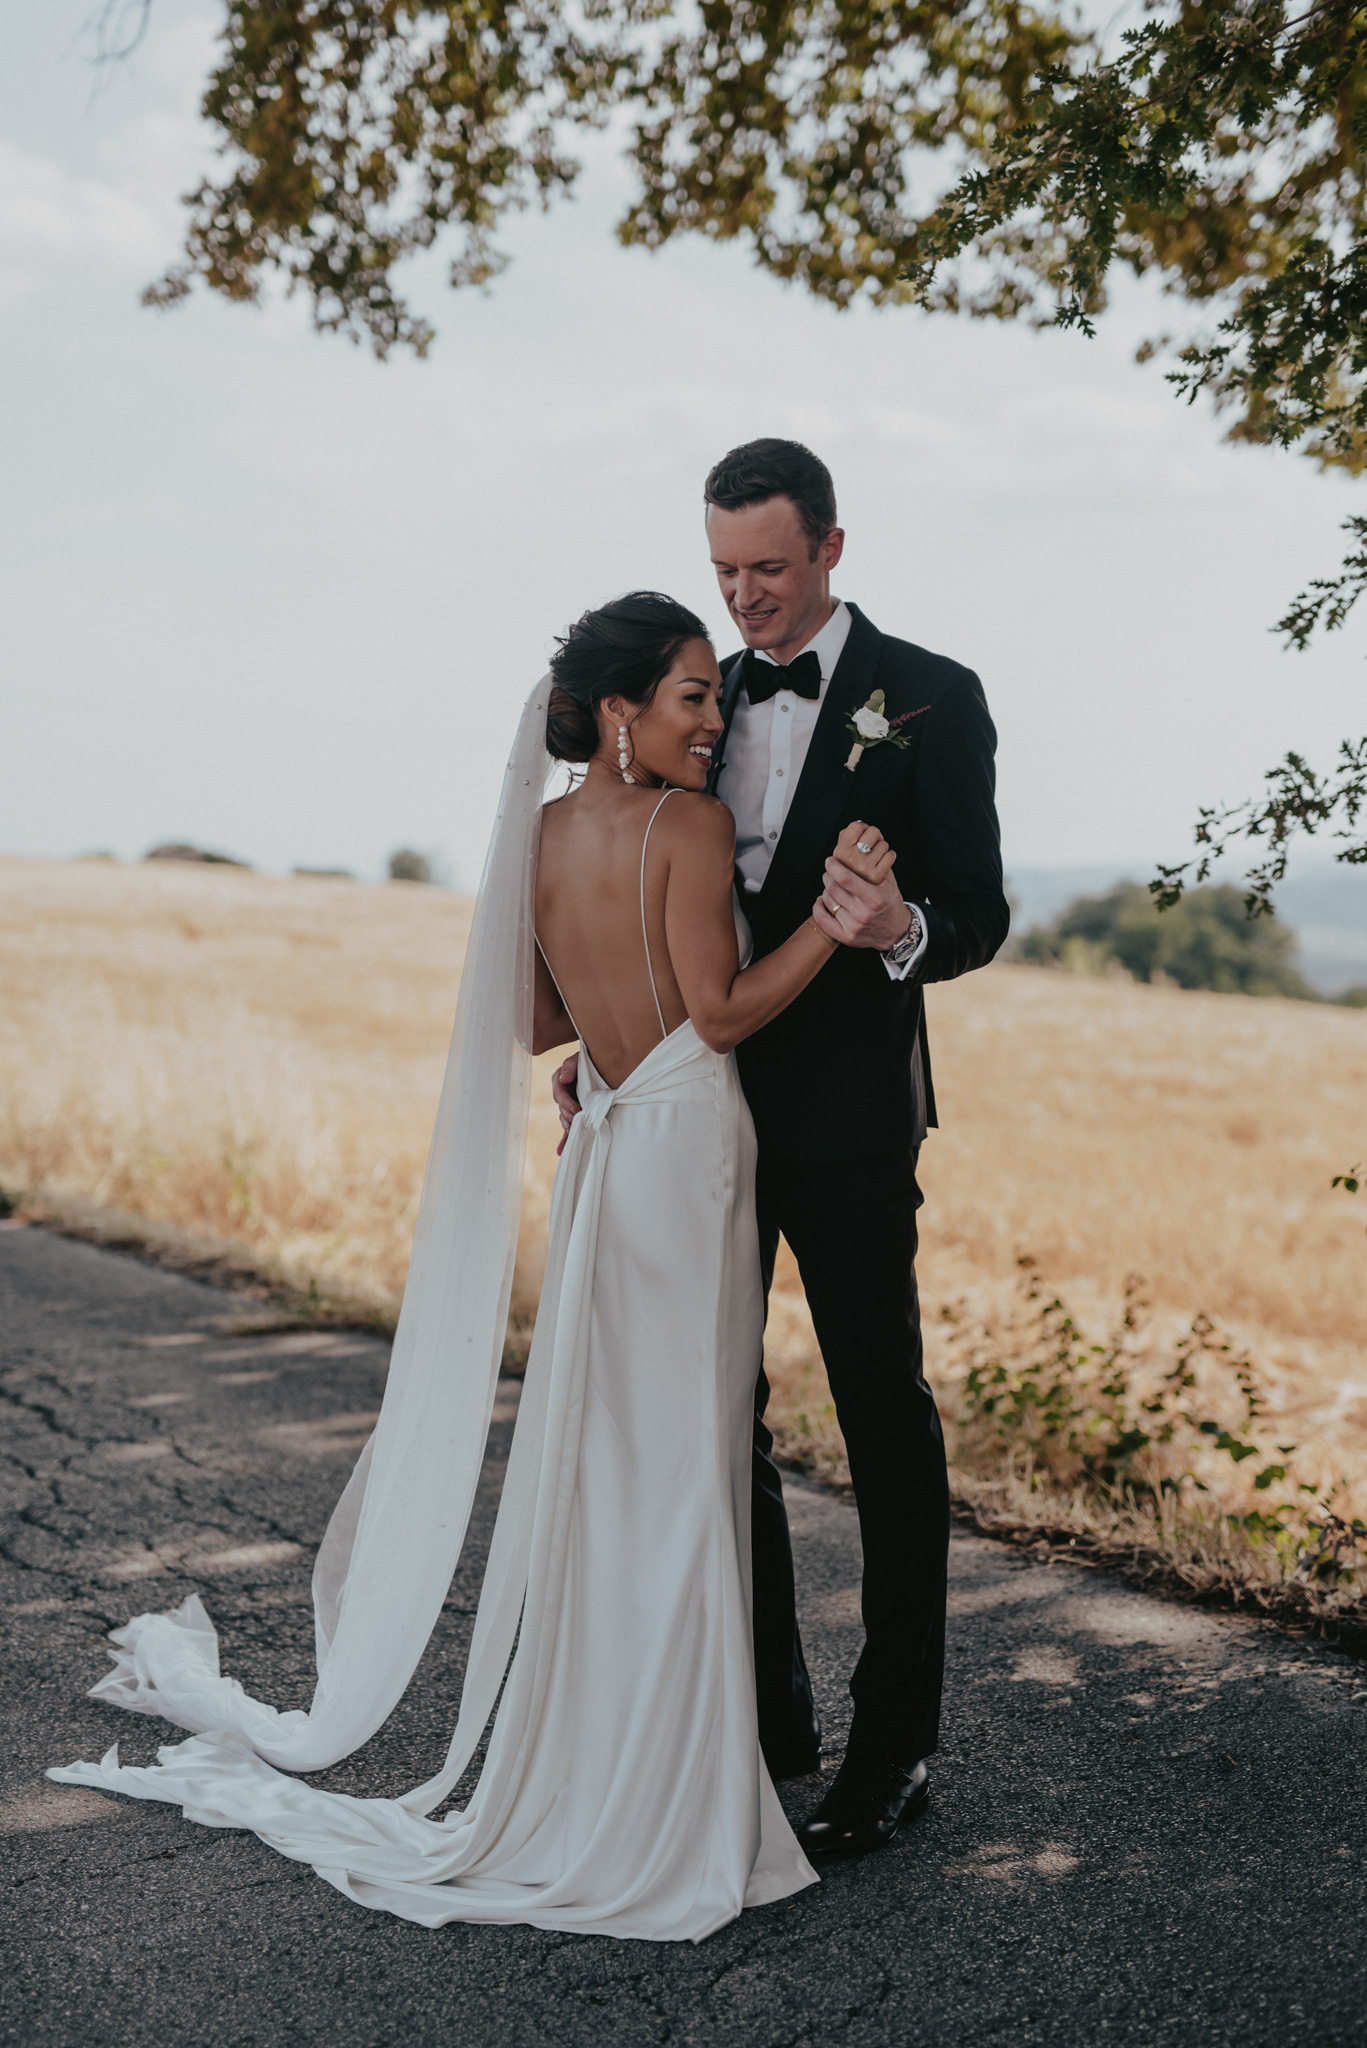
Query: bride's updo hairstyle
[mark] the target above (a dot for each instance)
(624, 649)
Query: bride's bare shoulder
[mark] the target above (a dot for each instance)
(554, 815)
(700, 821)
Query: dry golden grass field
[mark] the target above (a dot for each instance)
(256, 1061)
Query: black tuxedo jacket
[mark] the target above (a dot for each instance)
(835, 1076)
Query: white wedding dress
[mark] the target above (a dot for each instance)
(623, 1792)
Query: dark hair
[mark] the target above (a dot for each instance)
(624, 649)
(761, 470)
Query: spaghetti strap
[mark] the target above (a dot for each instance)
(644, 933)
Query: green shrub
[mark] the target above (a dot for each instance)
(1117, 1424)
(408, 866)
(1207, 941)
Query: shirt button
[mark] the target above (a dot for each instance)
(773, 835)
(778, 771)
(783, 707)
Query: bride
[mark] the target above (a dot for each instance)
(623, 1792)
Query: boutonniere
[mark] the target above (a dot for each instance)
(869, 728)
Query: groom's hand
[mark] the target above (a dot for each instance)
(861, 904)
(565, 1089)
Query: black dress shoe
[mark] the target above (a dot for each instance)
(863, 1810)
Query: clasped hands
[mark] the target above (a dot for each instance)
(859, 905)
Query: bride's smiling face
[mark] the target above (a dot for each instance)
(671, 738)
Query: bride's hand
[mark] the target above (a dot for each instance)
(565, 1089)
(865, 852)
(861, 904)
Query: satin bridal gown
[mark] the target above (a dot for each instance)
(623, 1792)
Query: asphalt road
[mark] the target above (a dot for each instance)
(1147, 1822)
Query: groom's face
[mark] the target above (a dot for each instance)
(774, 590)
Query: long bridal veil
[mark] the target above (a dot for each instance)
(395, 1538)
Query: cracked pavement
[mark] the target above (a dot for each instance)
(1146, 1824)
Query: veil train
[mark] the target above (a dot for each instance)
(390, 1552)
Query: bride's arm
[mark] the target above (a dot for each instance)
(552, 1023)
(726, 1002)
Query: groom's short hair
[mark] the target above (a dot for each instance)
(760, 470)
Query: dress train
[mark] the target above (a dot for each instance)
(624, 1792)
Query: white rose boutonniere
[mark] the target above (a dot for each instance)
(870, 724)
(869, 727)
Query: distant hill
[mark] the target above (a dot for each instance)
(1333, 896)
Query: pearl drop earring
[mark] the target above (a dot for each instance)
(623, 757)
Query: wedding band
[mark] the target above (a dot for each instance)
(863, 846)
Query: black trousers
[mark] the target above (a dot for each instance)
(852, 1229)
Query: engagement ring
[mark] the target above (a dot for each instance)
(863, 846)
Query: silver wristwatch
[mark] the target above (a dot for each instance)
(898, 955)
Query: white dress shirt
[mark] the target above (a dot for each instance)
(765, 752)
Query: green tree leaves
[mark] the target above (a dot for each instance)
(795, 125)
(1221, 144)
(357, 131)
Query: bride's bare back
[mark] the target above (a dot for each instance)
(601, 888)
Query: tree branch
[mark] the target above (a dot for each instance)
(1328, 600)
(1298, 801)
(119, 27)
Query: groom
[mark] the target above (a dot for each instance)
(839, 1084)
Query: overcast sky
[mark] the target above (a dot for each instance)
(262, 592)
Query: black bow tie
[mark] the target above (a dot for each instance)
(763, 679)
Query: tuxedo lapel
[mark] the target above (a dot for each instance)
(731, 687)
(825, 783)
